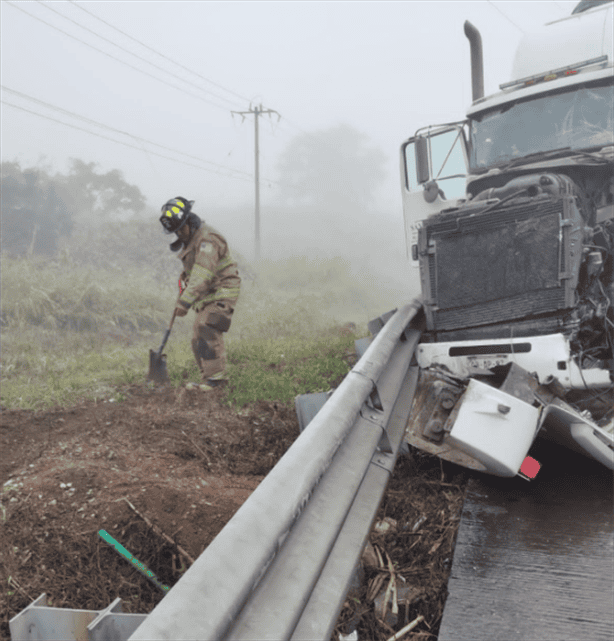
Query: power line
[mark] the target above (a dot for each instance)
(505, 16)
(119, 142)
(234, 93)
(285, 120)
(115, 58)
(74, 2)
(153, 64)
(119, 131)
(293, 124)
(137, 69)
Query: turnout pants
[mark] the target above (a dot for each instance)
(212, 320)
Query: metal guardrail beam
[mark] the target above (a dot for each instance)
(210, 597)
(277, 603)
(327, 597)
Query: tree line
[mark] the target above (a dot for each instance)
(335, 172)
(38, 208)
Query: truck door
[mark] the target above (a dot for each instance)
(433, 176)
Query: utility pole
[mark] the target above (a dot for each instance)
(257, 111)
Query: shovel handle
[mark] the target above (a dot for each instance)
(173, 319)
(167, 333)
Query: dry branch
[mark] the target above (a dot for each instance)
(159, 532)
(403, 631)
(375, 586)
(198, 449)
(391, 590)
(14, 583)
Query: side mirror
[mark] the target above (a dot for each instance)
(431, 191)
(422, 159)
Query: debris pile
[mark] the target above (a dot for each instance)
(406, 563)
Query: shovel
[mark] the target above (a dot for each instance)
(157, 360)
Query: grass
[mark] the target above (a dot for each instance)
(280, 370)
(44, 369)
(72, 332)
(47, 368)
(62, 295)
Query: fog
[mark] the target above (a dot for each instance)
(381, 69)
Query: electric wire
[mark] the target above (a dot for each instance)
(153, 64)
(505, 16)
(230, 171)
(215, 84)
(125, 144)
(182, 89)
(283, 120)
(119, 131)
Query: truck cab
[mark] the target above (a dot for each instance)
(509, 224)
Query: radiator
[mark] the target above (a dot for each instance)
(481, 266)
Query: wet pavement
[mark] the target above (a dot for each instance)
(535, 560)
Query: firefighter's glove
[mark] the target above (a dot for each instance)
(180, 311)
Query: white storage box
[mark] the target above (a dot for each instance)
(495, 428)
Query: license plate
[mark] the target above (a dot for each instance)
(487, 362)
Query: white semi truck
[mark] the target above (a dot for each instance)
(509, 219)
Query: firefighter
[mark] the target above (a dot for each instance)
(209, 284)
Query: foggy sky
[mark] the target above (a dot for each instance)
(385, 68)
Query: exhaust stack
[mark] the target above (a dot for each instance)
(477, 65)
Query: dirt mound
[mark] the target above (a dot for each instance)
(183, 460)
(162, 471)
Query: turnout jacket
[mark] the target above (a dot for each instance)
(209, 271)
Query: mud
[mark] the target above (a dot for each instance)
(186, 461)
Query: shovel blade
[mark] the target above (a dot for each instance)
(157, 367)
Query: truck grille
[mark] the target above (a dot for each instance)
(507, 264)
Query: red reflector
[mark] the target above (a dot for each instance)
(530, 467)
(570, 72)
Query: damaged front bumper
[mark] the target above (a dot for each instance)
(481, 404)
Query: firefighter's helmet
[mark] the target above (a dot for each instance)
(175, 214)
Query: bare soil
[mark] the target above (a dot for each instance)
(186, 462)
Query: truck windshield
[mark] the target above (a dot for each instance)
(577, 119)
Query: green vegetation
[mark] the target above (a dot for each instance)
(45, 368)
(39, 209)
(281, 370)
(72, 331)
(62, 295)
(269, 369)
(335, 169)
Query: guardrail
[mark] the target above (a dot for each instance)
(255, 580)
(281, 567)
